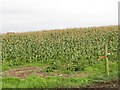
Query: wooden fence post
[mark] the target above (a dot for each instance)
(106, 61)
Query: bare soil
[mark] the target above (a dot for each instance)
(106, 84)
(22, 72)
(27, 71)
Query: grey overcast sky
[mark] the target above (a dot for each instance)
(31, 15)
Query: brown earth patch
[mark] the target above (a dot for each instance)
(106, 84)
(27, 71)
(22, 72)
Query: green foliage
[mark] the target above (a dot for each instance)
(67, 51)
(75, 67)
(82, 47)
(51, 68)
(43, 82)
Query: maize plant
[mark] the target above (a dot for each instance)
(81, 46)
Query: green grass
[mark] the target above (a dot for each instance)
(98, 75)
(43, 82)
(6, 66)
(49, 82)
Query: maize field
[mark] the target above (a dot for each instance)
(79, 46)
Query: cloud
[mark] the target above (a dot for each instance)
(26, 15)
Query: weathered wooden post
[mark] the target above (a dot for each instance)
(106, 60)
